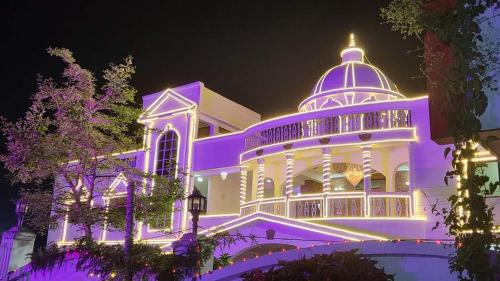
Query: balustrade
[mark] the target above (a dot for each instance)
(394, 206)
(248, 209)
(275, 208)
(345, 207)
(316, 127)
(338, 205)
(308, 208)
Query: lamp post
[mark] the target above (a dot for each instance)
(197, 203)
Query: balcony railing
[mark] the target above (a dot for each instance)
(330, 125)
(334, 205)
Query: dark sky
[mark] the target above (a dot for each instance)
(266, 55)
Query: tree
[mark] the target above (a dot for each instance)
(460, 69)
(336, 266)
(75, 136)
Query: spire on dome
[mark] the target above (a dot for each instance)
(352, 53)
(352, 41)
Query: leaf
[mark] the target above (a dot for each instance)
(436, 225)
(447, 151)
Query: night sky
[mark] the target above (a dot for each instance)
(265, 55)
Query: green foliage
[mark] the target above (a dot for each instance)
(404, 17)
(146, 261)
(477, 250)
(336, 266)
(463, 82)
(222, 261)
(68, 135)
(159, 204)
(71, 135)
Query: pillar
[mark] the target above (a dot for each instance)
(243, 184)
(367, 167)
(16, 245)
(260, 179)
(367, 174)
(327, 164)
(411, 177)
(289, 174)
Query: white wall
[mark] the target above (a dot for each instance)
(223, 195)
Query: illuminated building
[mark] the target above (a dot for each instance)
(355, 163)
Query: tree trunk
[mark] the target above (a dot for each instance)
(87, 227)
(129, 230)
(87, 230)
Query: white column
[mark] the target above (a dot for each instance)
(367, 174)
(367, 167)
(260, 179)
(327, 170)
(243, 184)
(289, 174)
(411, 177)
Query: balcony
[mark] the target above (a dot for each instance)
(335, 205)
(343, 126)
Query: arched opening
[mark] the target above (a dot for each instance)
(260, 250)
(401, 178)
(344, 177)
(331, 103)
(268, 188)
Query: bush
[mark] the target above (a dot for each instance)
(338, 266)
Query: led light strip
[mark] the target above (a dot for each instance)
(159, 101)
(311, 226)
(484, 159)
(341, 124)
(404, 103)
(243, 184)
(260, 179)
(218, 216)
(168, 127)
(414, 138)
(327, 161)
(289, 174)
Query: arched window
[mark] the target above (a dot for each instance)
(167, 154)
(401, 179)
(166, 163)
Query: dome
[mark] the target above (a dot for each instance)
(351, 82)
(351, 75)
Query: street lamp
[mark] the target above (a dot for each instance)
(197, 203)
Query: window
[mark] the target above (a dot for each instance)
(401, 179)
(167, 154)
(203, 130)
(166, 164)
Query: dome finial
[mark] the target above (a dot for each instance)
(353, 52)
(352, 41)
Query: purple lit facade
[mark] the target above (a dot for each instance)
(355, 163)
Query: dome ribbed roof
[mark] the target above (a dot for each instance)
(351, 82)
(351, 75)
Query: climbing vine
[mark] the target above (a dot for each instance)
(459, 66)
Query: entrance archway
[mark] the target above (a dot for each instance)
(260, 250)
